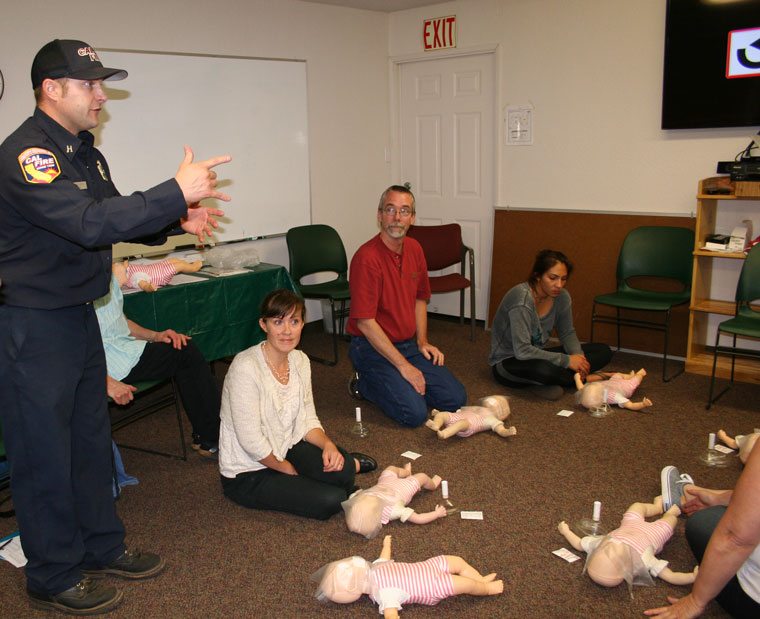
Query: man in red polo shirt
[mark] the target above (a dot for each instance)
(398, 368)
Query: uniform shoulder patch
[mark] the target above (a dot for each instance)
(39, 165)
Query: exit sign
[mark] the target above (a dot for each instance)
(439, 33)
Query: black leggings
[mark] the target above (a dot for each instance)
(699, 529)
(518, 374)
(312, 493)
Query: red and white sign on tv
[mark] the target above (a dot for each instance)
(743, 53)
(439, 33)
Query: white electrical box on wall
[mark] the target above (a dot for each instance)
(518, 125)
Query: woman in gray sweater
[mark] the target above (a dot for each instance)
(523, 324)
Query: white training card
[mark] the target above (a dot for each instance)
(12, 551)
(724, 449)
(411, 455)
(471, 515)
(565, 413)
(564, 553)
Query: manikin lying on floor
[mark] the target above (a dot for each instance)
(368, 510)
(390, 584)
(619, 388)
(629, 552)
(490, 414)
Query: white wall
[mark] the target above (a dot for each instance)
(346, 54)
(592, 69)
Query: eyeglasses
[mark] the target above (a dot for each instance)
(391, 211)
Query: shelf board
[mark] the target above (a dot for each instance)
(711, 306)
(746, 369)
(720, 254)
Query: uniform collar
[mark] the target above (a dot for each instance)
(68, 144)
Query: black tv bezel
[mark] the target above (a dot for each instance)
(685, 103)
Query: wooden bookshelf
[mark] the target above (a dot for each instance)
(699, 355)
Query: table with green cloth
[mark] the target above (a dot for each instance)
(220, 313)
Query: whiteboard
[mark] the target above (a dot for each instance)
(250, 108)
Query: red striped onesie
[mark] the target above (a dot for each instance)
(427, 582)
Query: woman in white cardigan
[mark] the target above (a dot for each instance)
(273, 452)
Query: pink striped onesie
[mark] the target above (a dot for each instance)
(158, 273)
(427, 582)
(404, 488)
(620, 390)
(640, 534)
(476, 422)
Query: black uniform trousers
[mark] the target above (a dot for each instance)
(57, 435)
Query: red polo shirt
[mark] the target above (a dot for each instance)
(386, 286)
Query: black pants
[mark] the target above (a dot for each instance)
(312, 493)
(517, 374)
(699, 529)
(196, 385)
(57, 435)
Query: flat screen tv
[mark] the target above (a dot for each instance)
(712, 64)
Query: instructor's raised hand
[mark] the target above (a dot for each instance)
(197, 180)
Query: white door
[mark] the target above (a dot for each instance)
(447, 137)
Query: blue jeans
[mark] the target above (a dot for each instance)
(380, 382)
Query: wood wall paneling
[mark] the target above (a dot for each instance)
(592, 242)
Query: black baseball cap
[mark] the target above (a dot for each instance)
(70, 58)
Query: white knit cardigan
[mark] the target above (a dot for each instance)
(255, 418)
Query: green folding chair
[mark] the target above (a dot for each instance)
(745, 323)
(148, 399)
(649, 252)
(315, 249)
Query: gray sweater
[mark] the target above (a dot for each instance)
(518, 331)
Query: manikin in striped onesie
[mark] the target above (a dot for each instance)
(629, 552)
(151, 276)
(390, 584)
(368, 510)
(489, 414)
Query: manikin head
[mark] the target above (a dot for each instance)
(592, 394)
(497, 404)
(613, 562)
(119, 269)
(363, 514)
(343, 581)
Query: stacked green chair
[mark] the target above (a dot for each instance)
(745, 323)
(649, 252)
(315, 249)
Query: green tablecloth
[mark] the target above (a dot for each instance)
(220, 313)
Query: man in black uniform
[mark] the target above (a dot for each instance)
(59, 215)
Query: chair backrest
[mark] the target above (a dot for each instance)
(442, 245)
(315, 249)
(657, 251)
(748, 288)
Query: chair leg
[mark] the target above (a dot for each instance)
(473, 314)
(461, 306)
(181, 432)
(710, 399)
(334, 360)
(179, 421)
(665, 354)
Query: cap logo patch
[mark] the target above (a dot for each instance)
(88, 51)
(39, 165)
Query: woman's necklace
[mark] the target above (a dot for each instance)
(283, 377)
